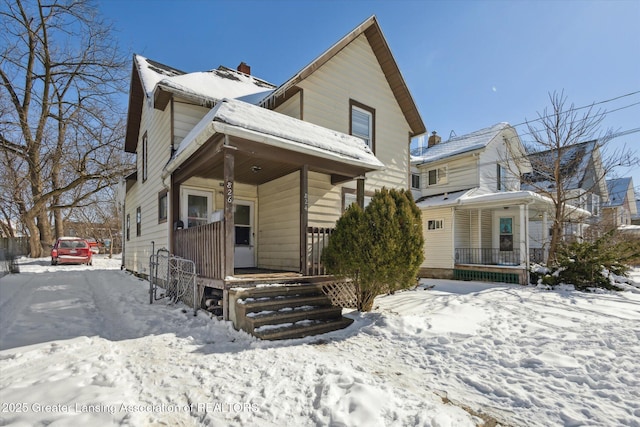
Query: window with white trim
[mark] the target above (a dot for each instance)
(501, 180)
(435, 224)
(437, 176)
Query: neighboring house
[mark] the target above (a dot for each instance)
(635, 219)
(621, 207)
(583, 186)
(476, 217)
(236, 173)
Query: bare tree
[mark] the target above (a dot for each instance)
(61, 131)
(565, 140)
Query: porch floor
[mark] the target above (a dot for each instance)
(263, 273)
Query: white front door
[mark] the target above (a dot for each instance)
(244, 253)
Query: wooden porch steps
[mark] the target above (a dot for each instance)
(286, 311)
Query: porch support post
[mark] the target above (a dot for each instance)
(304, 218)
(523, 236)
(229, 243)
(360, 192)
(480, 258)
(229, 160)
(545, 236)
(173, 213)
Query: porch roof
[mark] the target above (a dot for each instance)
(272, 143)
(473, 198)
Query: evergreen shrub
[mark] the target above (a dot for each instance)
(379, 248)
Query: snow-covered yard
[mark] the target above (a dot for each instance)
(82, 346)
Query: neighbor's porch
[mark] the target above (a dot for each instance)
(491, 243)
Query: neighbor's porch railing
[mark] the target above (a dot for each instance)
(537, 255)
(484, 256)
(204, 245)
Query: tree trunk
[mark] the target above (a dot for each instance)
(34, 236)
(44, 227)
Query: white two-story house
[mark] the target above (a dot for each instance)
(476, 217)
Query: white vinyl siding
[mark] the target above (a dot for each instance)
(145, 194)
(355, 74)
(462, 174)
(185, 117)
(438, 244)
(325, 201)
(291, 107)
(279, 223)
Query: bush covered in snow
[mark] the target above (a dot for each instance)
(380, 247)
(599, 263)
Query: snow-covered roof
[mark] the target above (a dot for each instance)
(476, 197)
(459, 144)
(212, 85)
(234, 117)
(574, 164)
(618, 189)
(441, 200)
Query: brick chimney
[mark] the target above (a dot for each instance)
(244, 68)
(434, 139)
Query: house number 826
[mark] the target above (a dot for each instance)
(229, 192)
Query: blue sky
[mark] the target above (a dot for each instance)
(468, 64)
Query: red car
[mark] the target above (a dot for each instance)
(71, 250)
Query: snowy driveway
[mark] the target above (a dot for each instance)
(82, 346)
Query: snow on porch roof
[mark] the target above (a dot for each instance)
(248, 121)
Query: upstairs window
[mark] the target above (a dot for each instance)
(128, 226)
(362, 122)
(415, 181)
(437, 176)
(595, 208)
(501, 175)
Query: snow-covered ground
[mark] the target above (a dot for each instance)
(82, 346)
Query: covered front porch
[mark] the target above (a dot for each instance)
(497, 236)
(244, 194)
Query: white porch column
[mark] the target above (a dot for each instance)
(545, 236)
(480, 228)
(523, 234)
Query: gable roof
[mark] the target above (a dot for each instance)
(458, 145)
(574, 162)
(618, 189)
(151, 79)
(371, 29)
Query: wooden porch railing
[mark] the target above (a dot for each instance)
(204, 245)
(317, 240)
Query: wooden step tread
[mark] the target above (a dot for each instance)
(292, 315)
(275, 303)
(300, 329)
